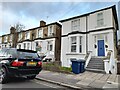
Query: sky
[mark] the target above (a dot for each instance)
(30, 13)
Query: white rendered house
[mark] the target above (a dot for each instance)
(92, 37)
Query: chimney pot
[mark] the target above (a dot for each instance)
(42, 23)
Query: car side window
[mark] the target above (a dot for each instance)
(12, 53)
(3, 53)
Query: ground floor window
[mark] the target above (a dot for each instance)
(24, 45)
(50, 46)
(19, 46)
(28, 46)
(80, 44)
(39, 46)
(76, 44)
(73, 44)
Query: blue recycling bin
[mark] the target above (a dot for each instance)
(78, 66)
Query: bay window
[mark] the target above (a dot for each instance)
(73, 44)
(76, 44)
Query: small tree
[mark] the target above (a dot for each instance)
(17, 28)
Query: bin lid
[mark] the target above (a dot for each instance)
(73, 59)
(81, 60)
(77, 60)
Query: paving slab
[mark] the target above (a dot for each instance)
(91, 76)
(97, 84)
(85, 82)
(104, 77)
(112, 78)
(111, 86)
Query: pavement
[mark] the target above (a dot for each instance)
(87, 80)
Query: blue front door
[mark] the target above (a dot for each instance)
(101, 49)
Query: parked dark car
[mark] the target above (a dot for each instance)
(19, 62)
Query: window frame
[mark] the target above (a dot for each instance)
(40, 33)
(73, 44)
(75, 24)
(100, 19)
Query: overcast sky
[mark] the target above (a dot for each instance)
(30, 13)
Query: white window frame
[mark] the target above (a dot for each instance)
(75, 24)
(39, 45)
(79, 44)
(5, 38)
(40, 33)
(27, 35)
(100, 19)
(73, 44)
(19, 46)
(50, 31)
(0, 39)
(20, 36)
(11, 37)
(28, 46)
(24, 45)
(50, 43)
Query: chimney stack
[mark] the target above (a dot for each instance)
(42, 23)
(12, 30)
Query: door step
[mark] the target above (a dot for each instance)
(96, 70)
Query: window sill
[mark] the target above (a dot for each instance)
(74, 53)
(99, 26)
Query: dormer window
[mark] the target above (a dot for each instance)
(100, 20)
(75, 25)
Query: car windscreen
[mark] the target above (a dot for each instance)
(27, 55)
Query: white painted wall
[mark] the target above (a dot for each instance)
(92, 20)
(67, 26)
(110, 41)
(66, 55)
(92, 25)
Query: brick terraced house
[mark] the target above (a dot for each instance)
(45, 39)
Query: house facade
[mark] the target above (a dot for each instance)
(92, 37)
(45, 39)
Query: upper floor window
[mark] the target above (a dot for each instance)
(0, 39)
(73, 44)
(10, 37)
(40, 33)
(5, 38)
(26, 35)
(100, 20)
(20, 36)
(75, 25)
(50, 31)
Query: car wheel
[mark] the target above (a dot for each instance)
(3, 76)
(31, 77)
